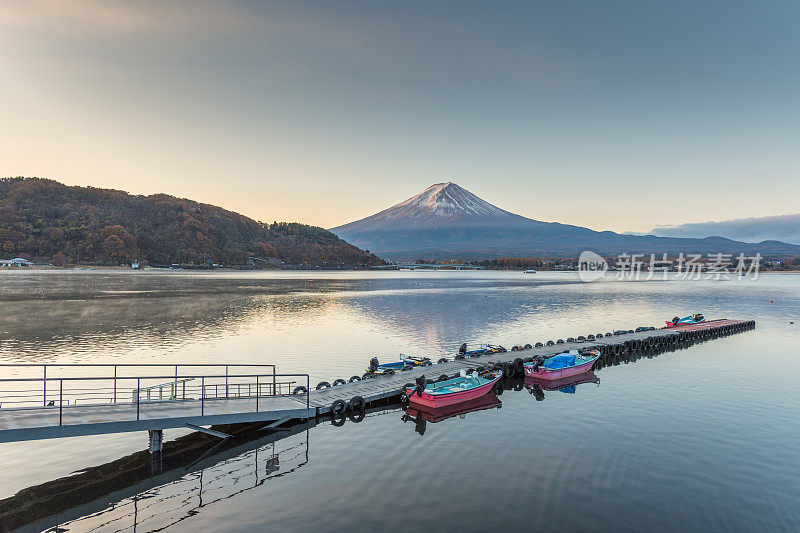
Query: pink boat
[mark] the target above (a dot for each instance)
(562, 365)
(452, 391)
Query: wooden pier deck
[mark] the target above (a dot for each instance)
(58, 420)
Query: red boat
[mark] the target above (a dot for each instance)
(452, 391)
(562, 365)
(686, 321)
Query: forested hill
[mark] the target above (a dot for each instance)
(48, 221)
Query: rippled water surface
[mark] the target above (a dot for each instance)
(705, 438)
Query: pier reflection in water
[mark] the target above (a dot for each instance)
(144, 492)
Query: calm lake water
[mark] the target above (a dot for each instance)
(703, 439)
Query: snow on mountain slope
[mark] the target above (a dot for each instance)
(443, 200)
(439, 204)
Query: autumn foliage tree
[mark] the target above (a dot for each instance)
(44, 218)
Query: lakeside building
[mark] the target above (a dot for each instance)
(16, 262)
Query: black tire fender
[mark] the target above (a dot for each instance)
(338, 407)
(357, 404)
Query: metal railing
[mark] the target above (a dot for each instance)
(68, 392)
(171, 385)
(117, 371)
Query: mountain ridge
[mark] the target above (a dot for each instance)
(42, 218)
(447, 221)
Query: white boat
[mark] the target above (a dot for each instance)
(530, 271)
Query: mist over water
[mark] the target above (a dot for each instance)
(704, 438)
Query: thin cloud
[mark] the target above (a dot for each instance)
(91, 17)
(785, 228)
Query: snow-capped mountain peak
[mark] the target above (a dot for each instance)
(442, 200)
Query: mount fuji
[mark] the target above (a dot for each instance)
(446, 221)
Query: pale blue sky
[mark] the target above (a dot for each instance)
(611, 115)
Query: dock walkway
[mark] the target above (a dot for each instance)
(190, 400)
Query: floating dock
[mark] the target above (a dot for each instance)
(54, 406)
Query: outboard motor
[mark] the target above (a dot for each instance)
(421, 383)
(373, 364)
(462, 349)
(675, 320)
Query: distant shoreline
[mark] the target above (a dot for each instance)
(52, 268)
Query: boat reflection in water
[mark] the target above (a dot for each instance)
(421, 415)
(567, 385)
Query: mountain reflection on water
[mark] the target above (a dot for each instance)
(72, 319)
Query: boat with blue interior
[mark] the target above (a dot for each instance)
(563, 365)
(448, 391)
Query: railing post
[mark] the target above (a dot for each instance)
(115, 383)
(308, 391)
(44, 386)
(202, 395)
(257, 391)
(226, 381)
(274, 391)
(138, 386)
(60, 401)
